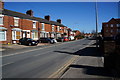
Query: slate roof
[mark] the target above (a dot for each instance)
(24, 16)
(118, 20)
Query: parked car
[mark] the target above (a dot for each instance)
(45, 40)
(54, 40)
(60, 39)
(71, 38)
(66, 39)
(27, 41)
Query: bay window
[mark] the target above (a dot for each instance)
(2, 35)
(16, 34)
(35, 35)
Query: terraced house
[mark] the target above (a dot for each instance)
(15, 25)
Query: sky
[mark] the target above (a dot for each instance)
(75, 15)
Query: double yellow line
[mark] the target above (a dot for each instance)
(60, 71)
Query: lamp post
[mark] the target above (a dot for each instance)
(96, 13)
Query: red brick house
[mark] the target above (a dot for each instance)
(77, 34)
(111, 28)
(15, 25)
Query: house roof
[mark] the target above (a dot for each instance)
(117, 20)
(24, 16)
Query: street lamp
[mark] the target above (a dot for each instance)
(96, 13)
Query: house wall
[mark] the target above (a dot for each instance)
(106, 30)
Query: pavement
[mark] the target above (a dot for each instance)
(90, 64)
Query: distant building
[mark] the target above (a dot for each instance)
(77, 34)
(111, 28)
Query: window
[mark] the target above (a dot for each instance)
(2, 35)
(111, 25)
(16, 21)
(118, 30)
(1, 20)
(64, 30)
(118, 25)
(43, 26)
(16, 35)
(106, 30)
(111, 31)
(52, 27)
(58, 28)
(106, 25)
(34, 35)
(34, 24)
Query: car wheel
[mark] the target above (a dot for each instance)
(29, 44)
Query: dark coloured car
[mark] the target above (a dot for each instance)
(60, 39)
(45, 40)
(27, 41)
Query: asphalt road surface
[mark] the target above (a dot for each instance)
(40, 62)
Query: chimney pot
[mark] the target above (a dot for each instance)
(29, 12)
(59, 20)
(47, 17)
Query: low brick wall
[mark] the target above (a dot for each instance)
(108, 47)
(111, 55)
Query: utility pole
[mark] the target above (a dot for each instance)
(96, 13)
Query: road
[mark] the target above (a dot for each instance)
(40, 62)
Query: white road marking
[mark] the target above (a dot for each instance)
(6, 64)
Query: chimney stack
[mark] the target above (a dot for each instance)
(59, 21)
(1, 5)
(47, 17)
(30, 13)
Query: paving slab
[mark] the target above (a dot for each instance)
(88, 65)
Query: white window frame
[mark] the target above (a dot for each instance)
(16, 18)
(53, 27)
(33, 34)
(14, 37)
(2, 19)
(5, 36)
(118, 25)
(111, 25)
(43, 26)
(58, 28)
(34, 25)
(106, 25)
